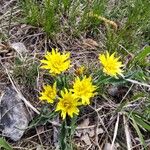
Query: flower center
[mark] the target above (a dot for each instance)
(50, 94)
(56, 64)
(110, 67)
(67, 105)
(83, 89)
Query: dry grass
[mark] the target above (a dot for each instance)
(106, 112)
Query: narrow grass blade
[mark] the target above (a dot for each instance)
(141, 122)
(127, 133)
(141, 56)
(115, 132)
(134, 124)
(4, 144)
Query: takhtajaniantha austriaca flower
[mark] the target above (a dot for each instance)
(111, 65)
(56, 62)
(68, 104)
(49, 93)
(84, 89)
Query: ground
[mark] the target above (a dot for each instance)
(119, 115)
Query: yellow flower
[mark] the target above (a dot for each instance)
(49, 93)
(80, 70)
(67, 104)
(84, 89)
(111, 64)
(56, 62)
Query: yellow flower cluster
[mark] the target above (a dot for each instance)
(83, 89)
(81, 93)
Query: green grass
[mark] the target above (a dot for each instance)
(136, 17)
(54, 16)
(130, 41)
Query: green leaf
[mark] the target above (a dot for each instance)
(73, 125)
(141, 122)
(134, 124)
(43, 118)
(103, 79)
(137, 96)
(141, 56)
(4, 144)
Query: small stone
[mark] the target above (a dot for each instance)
(113, 91)
(108, 147)
(14, 116)
(19, 48)
(118, 92)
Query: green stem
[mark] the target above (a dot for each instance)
(63, 134)
(72, 130)
(65, 81)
